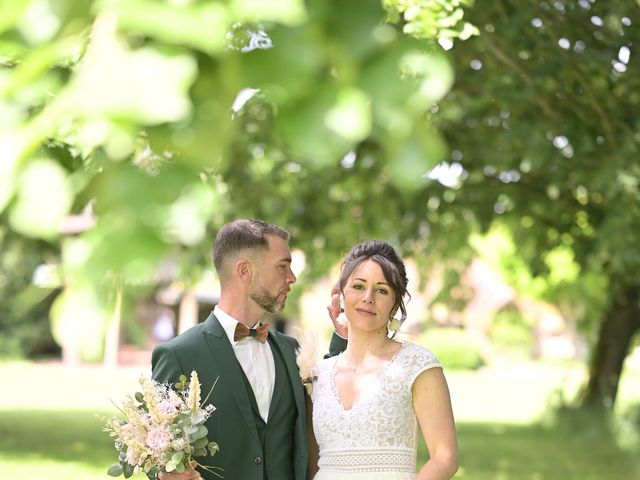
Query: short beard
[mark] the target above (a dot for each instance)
(266, 301)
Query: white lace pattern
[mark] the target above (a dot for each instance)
(380, 432)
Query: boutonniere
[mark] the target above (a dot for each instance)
(307, 359)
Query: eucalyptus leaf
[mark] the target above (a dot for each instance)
(115, 470)
(177, 457)
(200, 443)
(127, 469)
(201, 432)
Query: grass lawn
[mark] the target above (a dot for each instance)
(48, 429)
(53, 445)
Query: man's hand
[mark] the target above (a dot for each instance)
(340, 323)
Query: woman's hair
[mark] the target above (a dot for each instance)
(391, 264)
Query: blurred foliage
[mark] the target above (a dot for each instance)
(544, 144)
(512, 333)
(24, 307)
(165, 119)
(548, 150)
(456, 348)
(341, 120)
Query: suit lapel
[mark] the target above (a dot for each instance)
(229, 367)
(280, 377)
(292, 370)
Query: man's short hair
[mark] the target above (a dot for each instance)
(240, 236)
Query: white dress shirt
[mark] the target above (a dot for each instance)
(256, 359)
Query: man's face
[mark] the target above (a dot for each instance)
(274, 277)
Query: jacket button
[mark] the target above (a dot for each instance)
(257, 460)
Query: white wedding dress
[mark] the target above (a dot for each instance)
(377, 438)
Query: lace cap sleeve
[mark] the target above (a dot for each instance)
(420, 359)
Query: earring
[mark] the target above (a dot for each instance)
(394, 324)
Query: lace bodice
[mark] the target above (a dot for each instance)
(380, 431)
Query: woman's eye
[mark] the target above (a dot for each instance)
(358, 287)
(383, 291)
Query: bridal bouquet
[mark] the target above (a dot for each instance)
(163, 429)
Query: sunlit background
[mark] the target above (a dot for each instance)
(494, 144)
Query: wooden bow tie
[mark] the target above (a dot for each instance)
(260, 333)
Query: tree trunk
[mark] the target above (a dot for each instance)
(621, 322)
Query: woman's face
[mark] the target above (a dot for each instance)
(368, 298)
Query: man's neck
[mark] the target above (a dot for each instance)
(241, 310)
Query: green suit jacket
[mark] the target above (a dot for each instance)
(206, 349)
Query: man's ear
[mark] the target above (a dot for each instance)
(244, 269)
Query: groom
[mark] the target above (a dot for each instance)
(260, 420)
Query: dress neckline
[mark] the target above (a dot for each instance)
(356, 400)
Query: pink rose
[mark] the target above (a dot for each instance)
(167, 407)
(158, 439)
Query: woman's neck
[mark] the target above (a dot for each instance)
(367, 344)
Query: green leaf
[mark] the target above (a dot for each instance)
(9, 151)
(288, 12)
(304, 126)
(213, 448)
(10, 13)
(130, 83)
(200, 432)
(287, 70)
(201, 25)
(127, 470)
(200, 443)
(432, 73)
(43, 200)
(115, 470)
(350, 117)
(411, 159)
(177, 457)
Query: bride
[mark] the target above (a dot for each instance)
(371, 401)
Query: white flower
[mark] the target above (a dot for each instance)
(308, 355)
